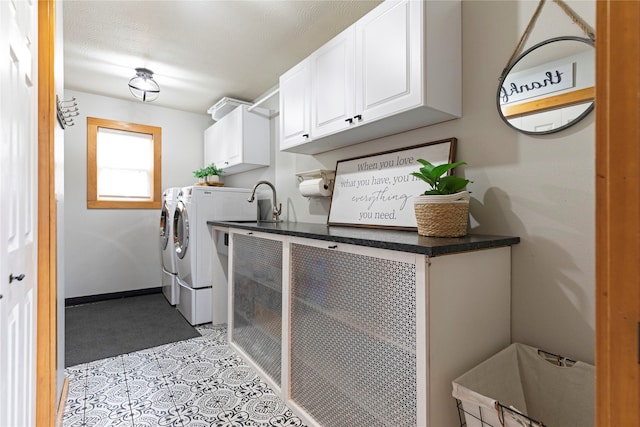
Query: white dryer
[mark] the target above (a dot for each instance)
(167, 248)
(203, 296)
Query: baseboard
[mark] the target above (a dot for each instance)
(114, 295)
(62, 403)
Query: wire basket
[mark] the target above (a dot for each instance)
(502, 412)
(522, 386)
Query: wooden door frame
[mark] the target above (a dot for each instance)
(46, 326)
(617, 213)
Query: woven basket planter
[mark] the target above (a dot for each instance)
(442, 216)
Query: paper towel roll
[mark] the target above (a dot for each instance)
(315, 188)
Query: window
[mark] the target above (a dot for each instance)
(123, 165)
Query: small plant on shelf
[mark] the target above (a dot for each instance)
(210, 170)
(200, 173)
(209, 173)
(439, 184)
(443, 209)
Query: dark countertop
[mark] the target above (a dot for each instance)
(404, 241)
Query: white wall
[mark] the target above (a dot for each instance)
(112, 250)
(538, 188)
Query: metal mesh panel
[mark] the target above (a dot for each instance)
(353, 338)
(257, 308)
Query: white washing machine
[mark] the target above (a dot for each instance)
(203, 296)
(167, 248)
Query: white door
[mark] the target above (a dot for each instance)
(232, 137)
(18, 213)
(215, 149)
(295, 105)
(388, 59)
(332, 90)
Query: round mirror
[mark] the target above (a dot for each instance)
(550, 87)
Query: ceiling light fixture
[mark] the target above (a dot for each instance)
(143, 87)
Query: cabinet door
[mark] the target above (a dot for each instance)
(332, 91)
(295, 105)
(214, 149)
(389, 59)
(353, 339)
(257, 301)
(223, 140)
(232, 137)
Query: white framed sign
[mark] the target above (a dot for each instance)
(377, 191)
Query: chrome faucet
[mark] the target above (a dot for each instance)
(277, 208)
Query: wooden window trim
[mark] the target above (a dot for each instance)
(92, 173)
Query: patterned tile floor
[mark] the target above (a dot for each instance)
(198, 382)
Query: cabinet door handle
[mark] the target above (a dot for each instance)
(18, 278)
(332, 246)
(359, 117)
(305, 135)
(349, 120)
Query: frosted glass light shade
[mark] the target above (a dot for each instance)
(143, 86)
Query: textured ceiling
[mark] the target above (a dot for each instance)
(199, 51)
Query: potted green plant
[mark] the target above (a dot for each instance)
(200, 174)
(443, 209)
(213, 173)
(208, 174)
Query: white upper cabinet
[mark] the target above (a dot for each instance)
(295, 106)
(239, 141)
(397, 68)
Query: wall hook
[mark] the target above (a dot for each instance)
(66, 111)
